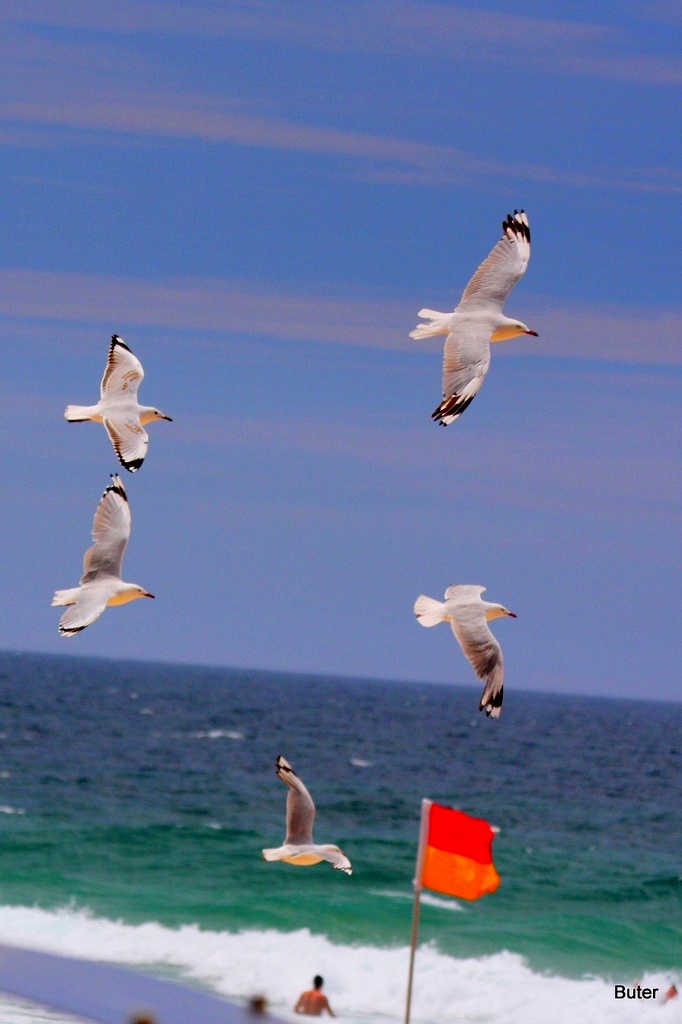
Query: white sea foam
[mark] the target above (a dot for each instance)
(6, 809)
(365, 983)
(432, 901)
(218, 734)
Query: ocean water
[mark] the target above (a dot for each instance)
(135, 800)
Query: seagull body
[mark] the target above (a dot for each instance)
(118, 408)
(101, 584)
(469, 616)
(298, 847)
(478, 319)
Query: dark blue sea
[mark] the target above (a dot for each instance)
(135, 799)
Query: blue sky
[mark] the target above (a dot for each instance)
(258, 197)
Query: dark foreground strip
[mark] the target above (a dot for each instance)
(107, 994)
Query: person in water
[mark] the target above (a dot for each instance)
(314, 1002)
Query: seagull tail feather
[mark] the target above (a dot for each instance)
(439, 323)
(429, 612)
(432, 314)
(77, 413)
(65, 596)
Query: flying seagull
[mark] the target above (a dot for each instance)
(478, 319)
(469, 616)
(118, 408)
(298, 847)
(101, 582)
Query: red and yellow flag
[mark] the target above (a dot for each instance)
(456, 853)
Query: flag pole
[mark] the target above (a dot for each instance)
(419, 870)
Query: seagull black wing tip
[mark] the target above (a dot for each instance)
(116, 487)
(70, 632)
(517, 224)
(453, 406)
(118, 342)
(493, 706)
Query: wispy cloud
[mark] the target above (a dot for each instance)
(382, 156)
(584, 49)
(642, 68)
(103, 89)
(601, 332)
(437, 31)
(540, 464)
(665, 12)
(234, 309)
(213, 305)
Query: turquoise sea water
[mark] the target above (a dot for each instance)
(135, 800)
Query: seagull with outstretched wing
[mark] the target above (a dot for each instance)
(298, 847)
(118, 408)
(101, 582)
(469, 615)
(478, 319)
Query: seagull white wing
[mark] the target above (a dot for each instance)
(110, 532)
(482, 651)
(466, 359)
(505, 265)
(463, 593)
(478, 643)
(300, 806)
(87, 607)
(337, 859)
(130, 441)
(123, 372)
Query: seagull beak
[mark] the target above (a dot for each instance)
(533, 333)
(512, 615)
(170, 420)
(148, 595)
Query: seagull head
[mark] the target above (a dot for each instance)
(511, 329)
(496, 611)
(158, 415)
(134, 592)
(149, 414)
(128, 592)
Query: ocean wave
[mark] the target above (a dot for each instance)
(363, 982)
(431, 901)
(217, 734)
